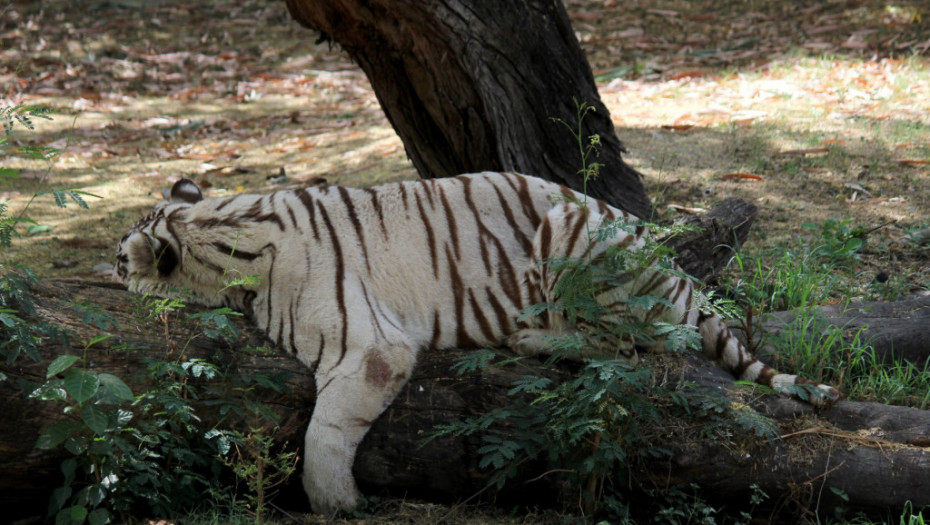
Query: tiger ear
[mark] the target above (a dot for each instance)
(165, 257)
(149, 255)
(185, 190)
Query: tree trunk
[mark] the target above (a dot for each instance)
(475, 85)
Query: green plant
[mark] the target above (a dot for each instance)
(839, 242)
(216, 324)
(18, 336)
(588, 147)
(84, 434)
(686, 507)
(591, 426)
(805, 273)
(128, 453)
(9, 117)
(257, 462)
(24, 115)
(149, 453)
(908, 517)
(586, 427)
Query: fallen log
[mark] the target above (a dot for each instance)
(706, 249)
(896, 330)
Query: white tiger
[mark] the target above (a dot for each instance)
(356, 282)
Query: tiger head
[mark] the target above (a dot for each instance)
(151, 257)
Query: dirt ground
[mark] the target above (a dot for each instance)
(813, 113)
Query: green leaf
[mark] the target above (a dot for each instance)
(95, 418)
(60, 364)
(223, 442)
(123, 417)
(532, 311)
(92, 314)
(63, 517)
(7, 174)
(99, 517)
(529, 384)
(81, 384)
(473, 361)
(78, 513)
(76, 197)
(69, 469)
(840, 492)
(59, 498)
(50, 391)
(76, 445)
(115, 387)
(95, 340)
(91, 495)
(56, 433)
(7, 317)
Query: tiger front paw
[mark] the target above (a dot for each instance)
(331, 495)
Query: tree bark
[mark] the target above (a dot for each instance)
(704, 251)
(870, 451)
(472, 86)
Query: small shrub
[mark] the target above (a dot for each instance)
(148, 454)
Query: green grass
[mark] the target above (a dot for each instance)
(796, 279)
(822, 351)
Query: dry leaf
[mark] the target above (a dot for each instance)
(858, 188)
(663, 12)
(686, 209)
(806, 151)
(741, 175)
(696, 73)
